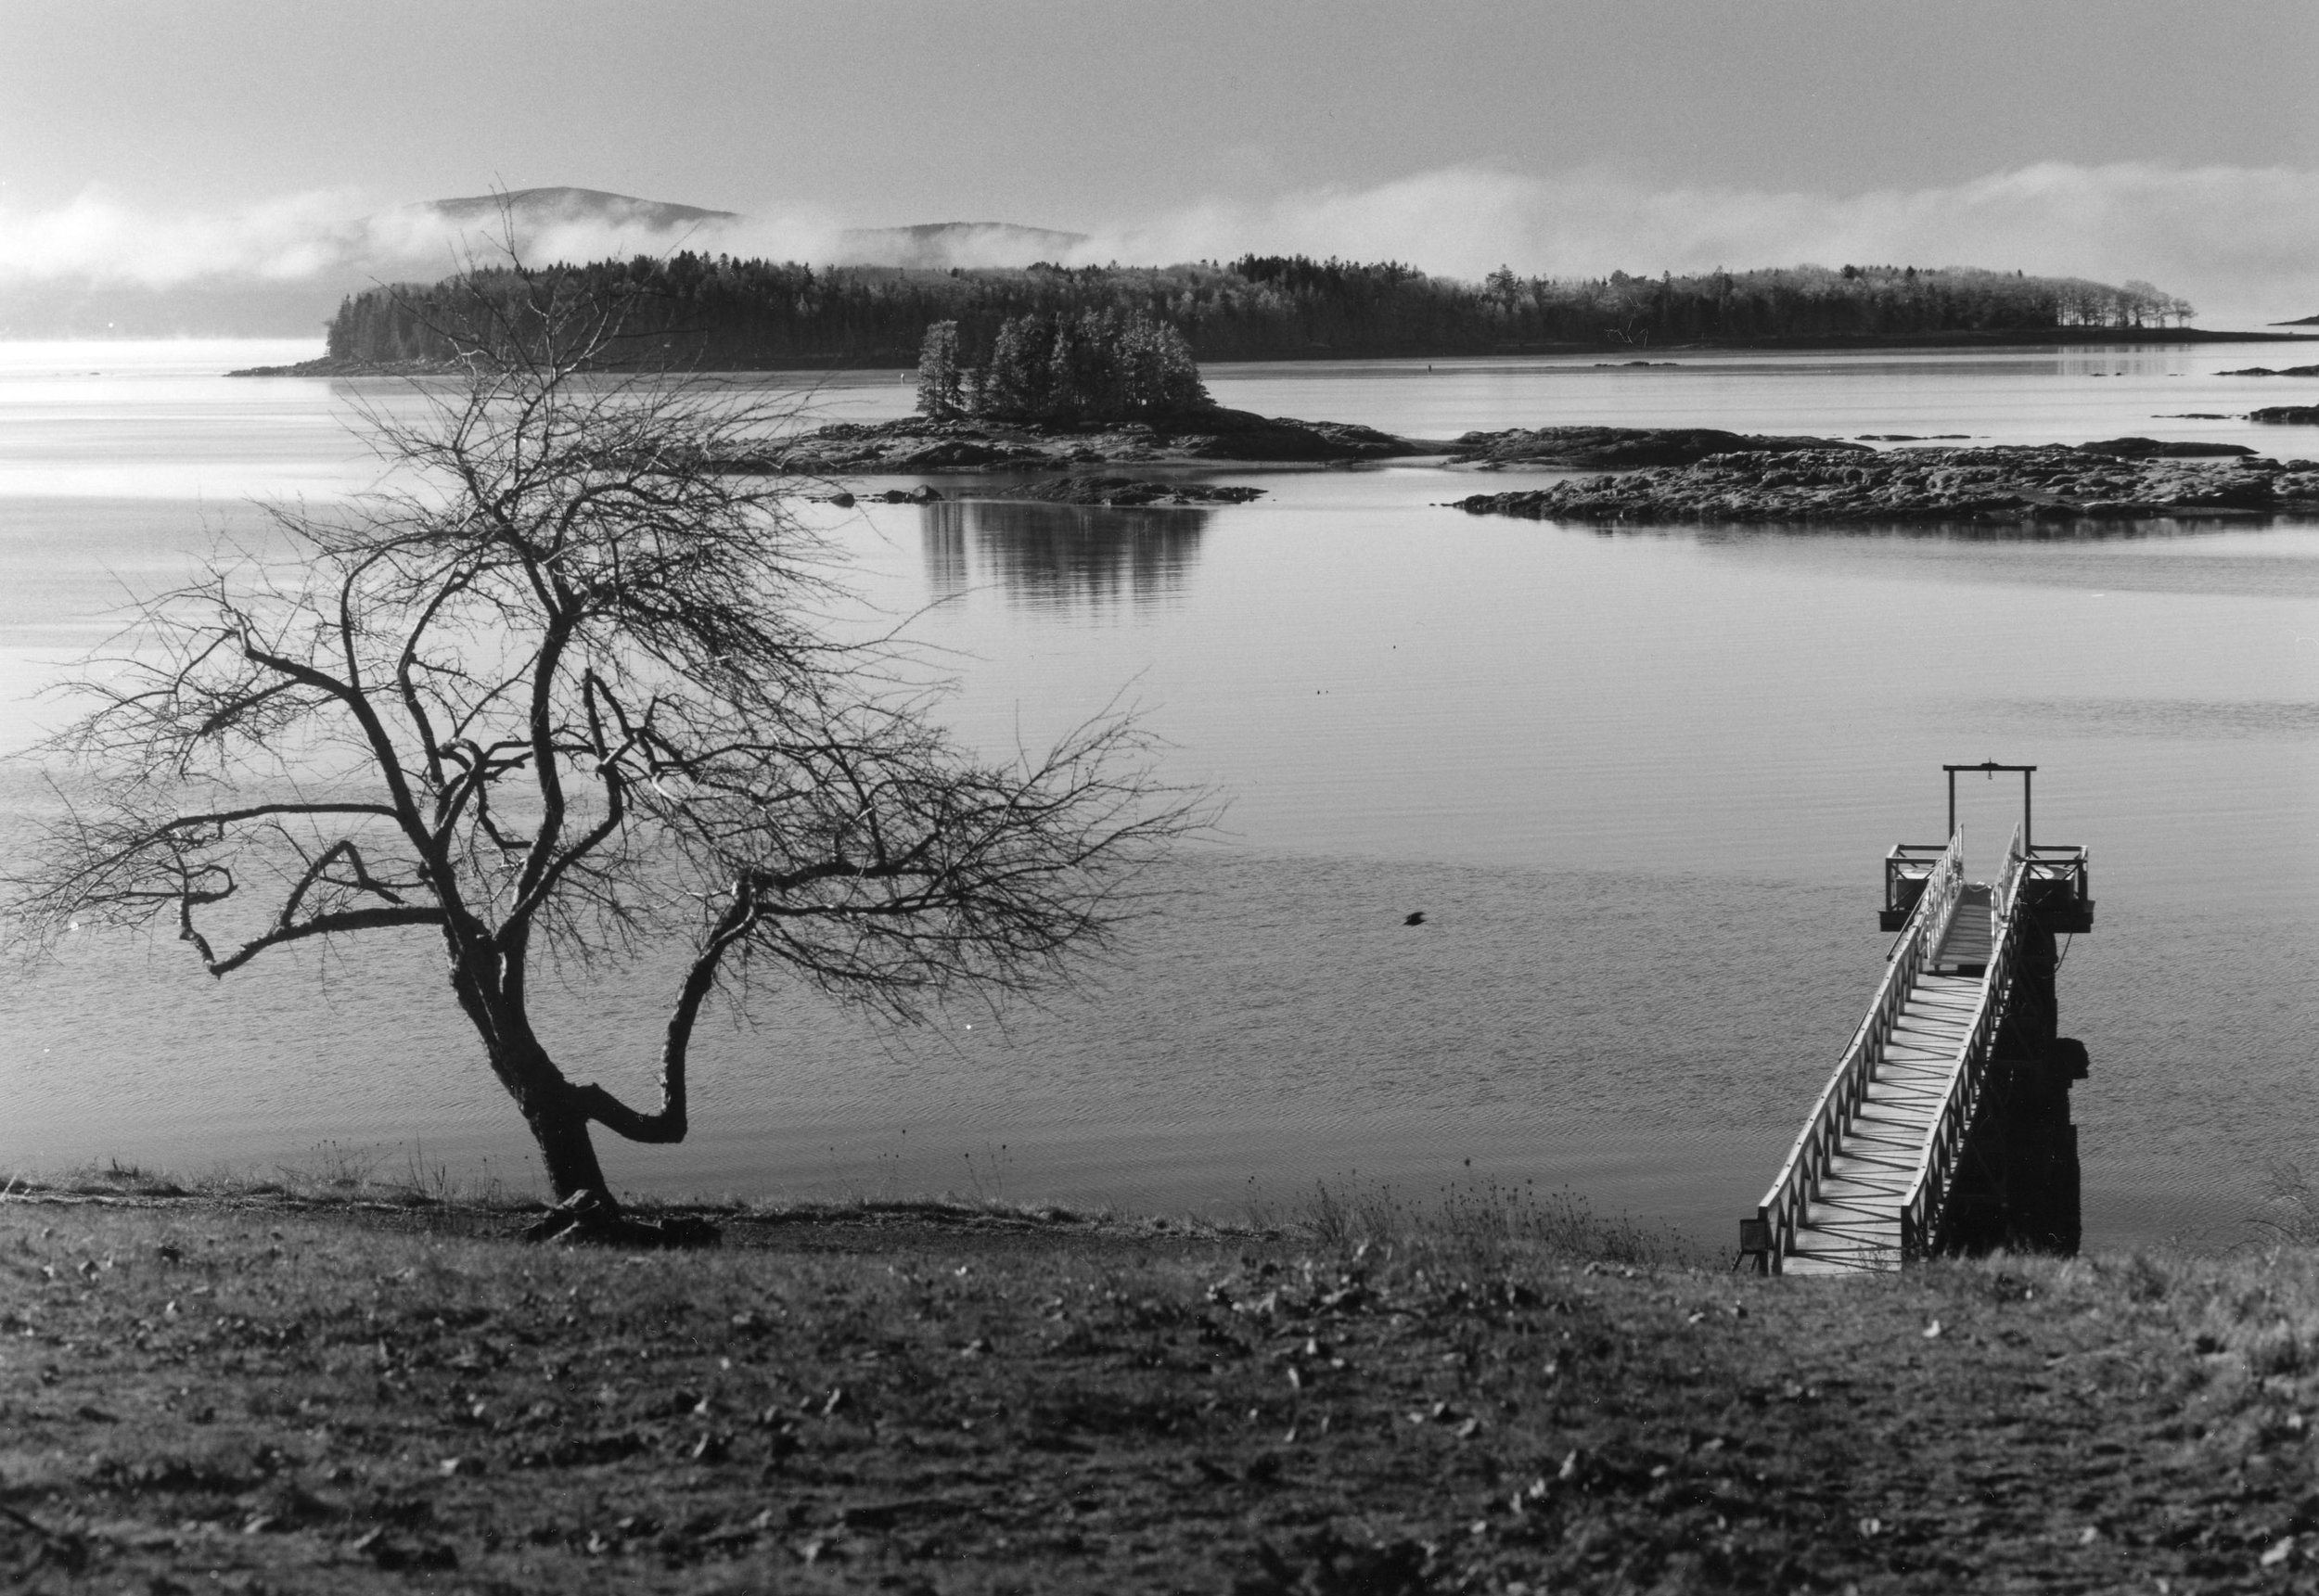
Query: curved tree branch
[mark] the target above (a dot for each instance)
(321, 926)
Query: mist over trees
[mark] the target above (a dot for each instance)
(716, 312)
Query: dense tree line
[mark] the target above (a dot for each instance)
(719, 312)
(1097, 365)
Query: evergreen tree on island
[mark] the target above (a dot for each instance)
(941, 394)
(1064, 369)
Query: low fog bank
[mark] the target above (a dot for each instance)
(2241, 243)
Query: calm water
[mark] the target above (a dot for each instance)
(1639, 784)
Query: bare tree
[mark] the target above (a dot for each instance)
(558, 688)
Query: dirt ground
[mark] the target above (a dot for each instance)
(197, 1397)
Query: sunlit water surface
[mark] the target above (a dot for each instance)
(1638, 783)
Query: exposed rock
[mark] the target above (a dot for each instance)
(2288, 415)
(2266, 371)
(1125, 492)
(1614, 448)
(2005, 486)
(916, 443)
(1240, 435)
(2151, 449)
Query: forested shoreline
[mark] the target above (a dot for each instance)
(719, 312)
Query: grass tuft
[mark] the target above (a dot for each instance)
(1481, 1227)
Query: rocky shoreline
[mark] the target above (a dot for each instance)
(2123, 479)
(916, 443)
(1111, 492)
(1120, 492)
(1620, 448)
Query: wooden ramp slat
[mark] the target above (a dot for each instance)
(1852, 1225)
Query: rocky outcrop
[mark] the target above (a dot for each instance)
(1989, 486)
(2266, 371)
(2151, 449)
(916, 443)
(2288, 415)
(1619, 448)
(1121, 492)
(332, 365)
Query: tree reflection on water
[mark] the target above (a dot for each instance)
(1062, 557)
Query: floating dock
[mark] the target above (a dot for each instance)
(1945, 1125)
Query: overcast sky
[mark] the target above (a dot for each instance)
(2132, 131)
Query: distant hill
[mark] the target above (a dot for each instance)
(422, 242)
(410, 243)
(546, 225)
(565, 206)
(939, 246)
(2299, 322)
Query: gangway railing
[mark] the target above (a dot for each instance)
(1939, 882)
(1906, 869)
(1927, 1202)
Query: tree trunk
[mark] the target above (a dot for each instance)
(566, 1147)
(550, 1106)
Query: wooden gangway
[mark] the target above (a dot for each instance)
(1868, 1182)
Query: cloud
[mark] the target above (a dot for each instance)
(97, 239)
(2240, 242)
(431, 243)
(306, 238)
(2236, 239)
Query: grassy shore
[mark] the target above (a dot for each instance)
(352, 1389)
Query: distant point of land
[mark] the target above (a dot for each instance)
(2031, 339)
(698, 310)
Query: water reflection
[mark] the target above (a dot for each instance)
(1067, 557)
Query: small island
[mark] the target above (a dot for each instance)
(916, 444)
(1622, 448)
(1121, 493)
(2121, 480)
(1053, 390)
